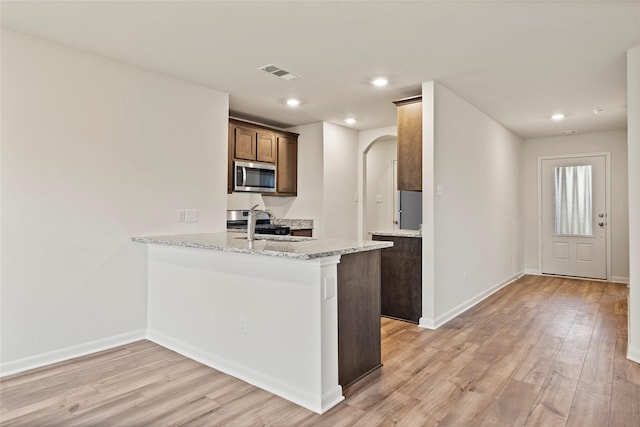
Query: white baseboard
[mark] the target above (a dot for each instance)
(461, 308)
(633, 354)
(427, 323)
(620, 279)
(318, 404)
(332, 398)
(37, 361)
(615, 279)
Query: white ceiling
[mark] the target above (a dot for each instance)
(518, 61)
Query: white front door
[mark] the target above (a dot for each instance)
(574, 217)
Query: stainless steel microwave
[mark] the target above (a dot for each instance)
(254, 177)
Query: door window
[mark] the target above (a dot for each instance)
(573, 201)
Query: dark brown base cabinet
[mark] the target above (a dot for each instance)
(304, 232)
(359, 347)
(401, 278)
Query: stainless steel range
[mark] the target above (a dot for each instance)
(237, 220)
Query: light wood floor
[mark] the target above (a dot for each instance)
(541, 352)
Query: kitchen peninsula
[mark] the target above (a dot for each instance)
(296, 316)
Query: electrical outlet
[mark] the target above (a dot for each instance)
(465, 277)
(243, 324)
(180, 215)
(510, 260)
(191, 215)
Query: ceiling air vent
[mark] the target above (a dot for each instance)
(279, 72)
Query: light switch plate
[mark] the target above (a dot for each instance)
(180, 215)
(378, 198)
(439, 190)
(191, 215)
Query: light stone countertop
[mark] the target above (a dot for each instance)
(278, 246)
(398, 233)
(295, 224)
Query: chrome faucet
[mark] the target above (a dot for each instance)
(253, 217)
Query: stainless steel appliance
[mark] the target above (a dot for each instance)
(238, 219)
(410, 210)
(254, 177)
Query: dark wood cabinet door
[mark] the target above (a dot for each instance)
(359, 348)
(245, 143)
(305, 232)
(287, 166)
(401, 278)
(410, 144)
(266, 147)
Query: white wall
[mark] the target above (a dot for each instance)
(93, 152)
(379, 182)
(477, 236)
(340, 182)
(308, 203)
(428, 318)
(633, 123)
(613, 142)
(365, 139)
(240, 201)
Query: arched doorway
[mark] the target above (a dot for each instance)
(380, 197)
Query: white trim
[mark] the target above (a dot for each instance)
(427, 323)
(633, 354)
(620, 279)
(331, 398)
(259, 379)
(532, 272)
(63, 354)
(607, 159)
(461, 308)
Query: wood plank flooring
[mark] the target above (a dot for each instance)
(544, 351)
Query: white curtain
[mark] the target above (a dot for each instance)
(573, 212)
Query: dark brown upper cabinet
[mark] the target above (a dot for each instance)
(254, 142)
(409, 143)
(287, 166)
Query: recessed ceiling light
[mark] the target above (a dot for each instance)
(350, 120)
(293, 102)
(380, 81)
(558, 116)
(568, 132)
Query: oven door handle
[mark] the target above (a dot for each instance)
(244, 176)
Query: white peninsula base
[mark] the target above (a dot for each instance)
(270, 321)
